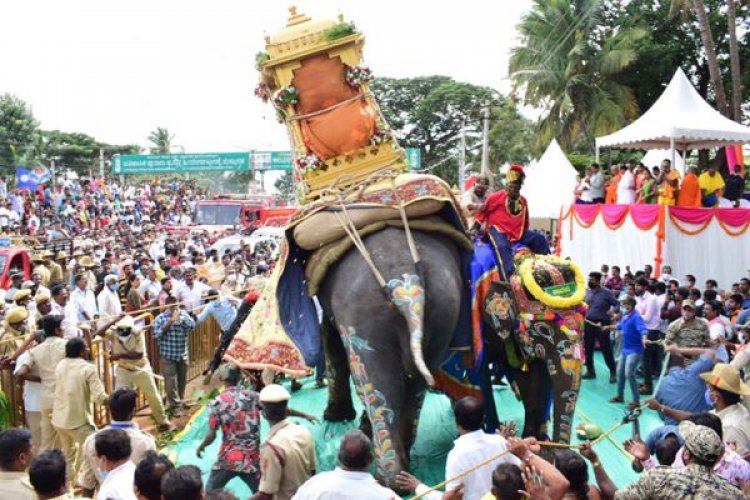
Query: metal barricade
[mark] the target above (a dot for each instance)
(202, 344)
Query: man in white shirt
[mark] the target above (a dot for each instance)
(108, 300)
(472, 447)
(63, 307)
(626, 187)
(32, 399)
(190, 294)
(666, 275)
(113, 450)
(83, 298)
(718, 326)
(150, 287)
(352, 479)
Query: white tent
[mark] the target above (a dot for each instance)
(679, 119)
(549, 183)
(654, 158)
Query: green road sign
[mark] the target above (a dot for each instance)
(219, 162)
(271, 160)
(414, 158)
(180, 163)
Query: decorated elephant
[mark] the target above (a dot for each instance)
(533, 324)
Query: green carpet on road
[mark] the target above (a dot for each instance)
(436, 431)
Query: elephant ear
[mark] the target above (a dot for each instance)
(500, 311)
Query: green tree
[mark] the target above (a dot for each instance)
(161, 140)
(428, 113)
(285, 186)
(17, 131)
(567, 64)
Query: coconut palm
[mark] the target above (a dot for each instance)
(734, 61)
(567, 65)
(717, 82)
(161, 140)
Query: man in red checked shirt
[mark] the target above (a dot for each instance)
(505, 216)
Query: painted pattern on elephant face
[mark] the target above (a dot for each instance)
(500, 310)
(376, 406)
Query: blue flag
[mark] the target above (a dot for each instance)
(30, 179)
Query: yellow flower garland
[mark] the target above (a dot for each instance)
(526, 272)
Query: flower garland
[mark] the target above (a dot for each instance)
(381, 134)
(526, 271)
(287, 96)
(263, 92)
(358, 75)
(308, 163)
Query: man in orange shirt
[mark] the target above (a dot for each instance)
(690, 191)
(612, 186)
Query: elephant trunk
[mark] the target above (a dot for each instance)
(408, 295)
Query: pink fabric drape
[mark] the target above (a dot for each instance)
(587, 213)
(735, 217)
(614, 214)
(645, 216)
(691, 215)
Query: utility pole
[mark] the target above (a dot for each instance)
(101, 163)
(462, 158)
(486, 141)
(52, 167)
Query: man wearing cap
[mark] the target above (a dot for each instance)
(726, 389)
(14, 332)
(126, 269)
(287, 457)
(689, 330)
(55, 269)
(15, 285)
(132, 367)
(506, 217)
(703, 449)
(40, 268)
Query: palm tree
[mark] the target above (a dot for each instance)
(567, 65)
(734, 60)
(161, 140)
(717, 82)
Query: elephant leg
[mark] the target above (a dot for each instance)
(340, 407)
(534, 389)
(565, 383)
(415, 394)
(381, 384)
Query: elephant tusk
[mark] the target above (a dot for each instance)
(408, 295)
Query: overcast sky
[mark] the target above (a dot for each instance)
(117, 70)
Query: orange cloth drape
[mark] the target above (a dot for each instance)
(690, 192)
(611, 193)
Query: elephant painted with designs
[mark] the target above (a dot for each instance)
(365, 336)
(534, 326)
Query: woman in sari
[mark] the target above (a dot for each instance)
(647, 192)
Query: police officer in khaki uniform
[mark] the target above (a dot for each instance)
(132, 368)
(15, 330)
(287, 457)
(40, 268)
(55, 269)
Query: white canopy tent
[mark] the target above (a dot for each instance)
(679, 119)
(549, 183)
(654, 158)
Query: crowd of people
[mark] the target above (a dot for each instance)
(633, 182)
(124, 266)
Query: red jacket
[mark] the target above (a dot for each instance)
(497, 214)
